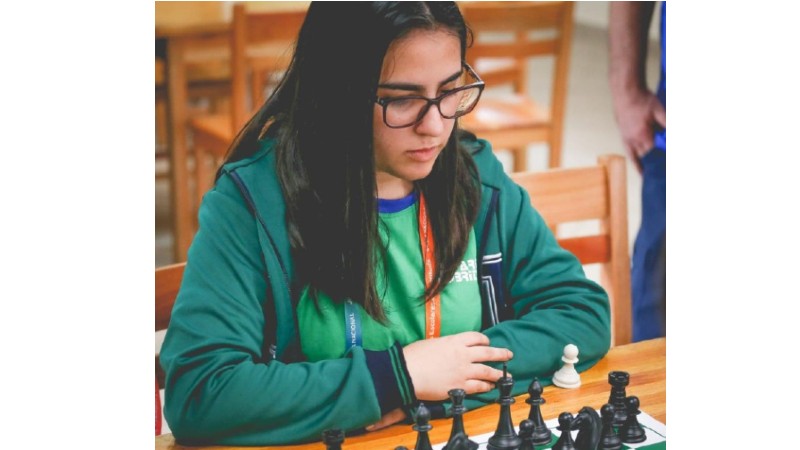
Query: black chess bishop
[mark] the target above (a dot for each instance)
(541, 435)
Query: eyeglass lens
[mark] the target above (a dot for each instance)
(406, 111)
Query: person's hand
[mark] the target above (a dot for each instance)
(637, 114)
(440, 364)
(390, 418)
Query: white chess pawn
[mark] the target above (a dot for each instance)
(567, 376)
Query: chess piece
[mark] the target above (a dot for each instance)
(505, 437)
(541, 434)
(422, 426)
(631, 431)
(526, 428)
(457, 398)
(618, 381)
(589, 427)
(565, 441)
(567, 376)
(609, 439)
(333, 438)
(459, 442)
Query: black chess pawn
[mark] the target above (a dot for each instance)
(541, 434)
(526, 434)
(505, 437)
(422, 426)
(618, 381)
(333, 439)
(565, 441)
(401, 447)
(631, 431)
(457, 398)
(609, 439)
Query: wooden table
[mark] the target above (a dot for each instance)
(645, 362)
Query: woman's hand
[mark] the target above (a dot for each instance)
(440, 364)
(390, 418)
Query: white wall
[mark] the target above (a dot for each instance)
(595, 14)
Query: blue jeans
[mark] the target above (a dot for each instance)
(648, 272)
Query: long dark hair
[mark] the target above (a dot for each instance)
(321, 117)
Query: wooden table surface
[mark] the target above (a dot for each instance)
(646, 363)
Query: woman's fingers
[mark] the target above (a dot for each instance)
(440, 364)
(477, 387)
(497, 354)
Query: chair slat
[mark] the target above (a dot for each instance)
(567, 195)
(599, 193)
(588, 249)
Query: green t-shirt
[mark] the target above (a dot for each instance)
(323, 332)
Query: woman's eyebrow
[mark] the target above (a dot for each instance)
(418, 87)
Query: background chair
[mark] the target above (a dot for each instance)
(192, 75)
(168, 283)
(508, 35)
(205, 61)
(580, 194)
(261, 48)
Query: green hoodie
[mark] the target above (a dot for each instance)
(235, 372)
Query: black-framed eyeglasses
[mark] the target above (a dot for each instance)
(402, 112)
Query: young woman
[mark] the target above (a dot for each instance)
(359, 254)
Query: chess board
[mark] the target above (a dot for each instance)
(656, 435)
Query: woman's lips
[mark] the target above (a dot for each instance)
(423, 154)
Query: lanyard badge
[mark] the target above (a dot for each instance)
(352, 316)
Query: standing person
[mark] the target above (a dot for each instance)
(359, 254)
(642, 118)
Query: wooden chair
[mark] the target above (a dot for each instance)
(261, 46)
(192, 76)
(581, 194)
(513, 120)
(205, 61)
(168, 282)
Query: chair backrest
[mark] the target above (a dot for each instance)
(508, 36)
(539, 29)
(167, 285)
(261, 45)
(168, 282)
(587, 193)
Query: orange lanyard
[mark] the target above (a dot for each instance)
(432, 307)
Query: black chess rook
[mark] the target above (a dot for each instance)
(619, 381)
(505, 437)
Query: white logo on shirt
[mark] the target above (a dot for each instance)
(467, 272)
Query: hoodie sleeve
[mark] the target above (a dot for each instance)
(222, 385)
(553, 302)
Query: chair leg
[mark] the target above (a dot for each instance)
(520, 159)
(554, 147)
